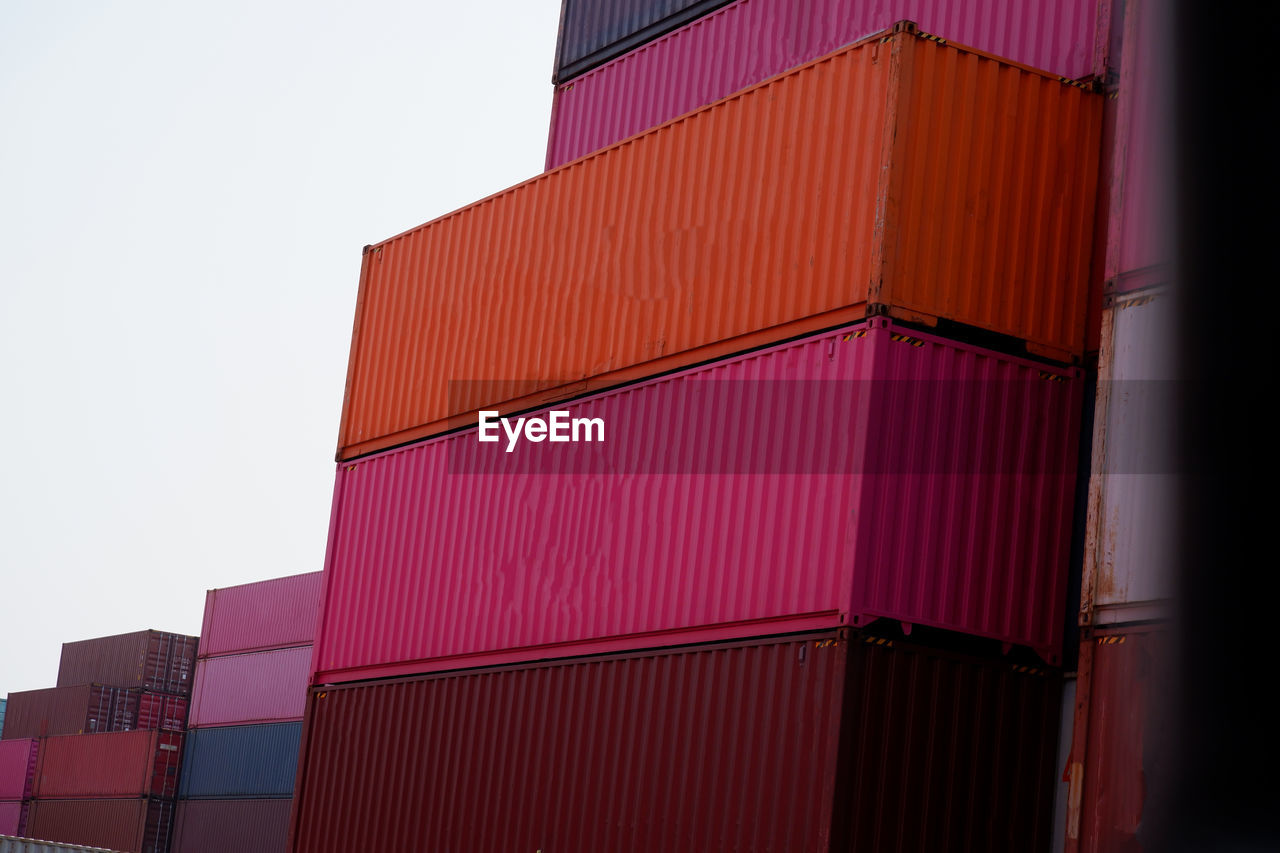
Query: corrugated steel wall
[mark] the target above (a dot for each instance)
(749, 41)
(933, 485)
(257, 761)
(131, 825)
(154, 660)
(593, 31)
(17, 767)
(12, 818)
(80, 709)
(251, 688)
(162, 711)
(242, 826)
(268, 614)
(631, 267)
(116, 764)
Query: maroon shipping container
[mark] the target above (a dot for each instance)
(827, 741)
(130, 825)
(1117, 735)
(162, 711)
(90, 708)
(154, 660)
(239, 826)
(267, 614)
(13, 817)
(868, 473)
(119, 764)
(17, 767)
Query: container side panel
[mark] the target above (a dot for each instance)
(154, 660)
(591, 31)
(242, 826)
(162, 711)
(11, 812)
(130, 825)
(246, 762)
(728, 748)
(255, 687)
(747, 42)
(17, 767)
(263, 615)
(118, 764)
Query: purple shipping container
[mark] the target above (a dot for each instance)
(1140, 219)
(849, 476)
(259, 687)
(749, 41)
(242, 826)
(17, 767)
(153, 660)
(268, 614)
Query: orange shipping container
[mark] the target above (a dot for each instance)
(898, 175)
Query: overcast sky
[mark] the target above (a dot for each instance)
(184, 194)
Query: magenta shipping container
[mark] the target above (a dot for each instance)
(864, 473)
(268, 614)
(17, 767)
(259, 687)
(13, 817)
(153, 660)
(747, 42)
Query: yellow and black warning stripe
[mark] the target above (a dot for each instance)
(1112, 640)
(822, 644)
(906, 339)
(879, 641)
(1079, 84)
(861, 333)
(1052, 377)
(1028, 670)
(932, 37)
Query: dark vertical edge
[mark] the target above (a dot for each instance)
(326, 579)
(300, 774)
(896, 44)
(1079, 517)
(846, 757)
(361, 290)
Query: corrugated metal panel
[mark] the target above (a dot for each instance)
(268, 614)
(27, 845)
(81, 709)
(1140, 225)
(243, 762)
(251, 688)
(1134, 486)
(899, 502)
(17, 767)
(749, 41)
(13, 818)
(162, 711)
(154, 660)
(242, 826)
(4, 703)
(130, 825)
(763, 745)
(1116, 726)
(1062, 788)
(594, 31)
(117, 764)
(672, 248)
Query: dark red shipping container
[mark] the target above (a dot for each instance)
(154, 660)
(1117, 735)
(132, 825)
(828, 741)
(118, 764)
(242, 826)
(90, 708)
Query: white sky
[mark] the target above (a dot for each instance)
(184, 194)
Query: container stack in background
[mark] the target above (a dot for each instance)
(246, 716)
(105, 745)
(1128, 571)
(810, 591)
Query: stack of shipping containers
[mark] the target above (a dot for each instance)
(1127, 582)
(804, 588)
(246, 716)
(104, 746)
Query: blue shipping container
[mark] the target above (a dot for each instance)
(240, 761)
(594, 31)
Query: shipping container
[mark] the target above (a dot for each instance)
(242, 826)
(1062, 787)
(241, 762)
(17, 767)
(1118, 735)
(153, 660)
(13, 817)
(88, 708)
(1139, 250)
(746, 42)
(117, 764)
(4, 703)
(871, 472)
(824, 741)
(257, 687)
(131, 825)
(29, 845)
(1129, 554)
(677, 247)
(269, 614)
(592, 31)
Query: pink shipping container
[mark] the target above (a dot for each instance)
(747, 42)
(1139, 168)
(259, 687)
(864, 473)
(13, 817)
(17, 767)
(117, 764)
(268, 614)
(152, 660)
